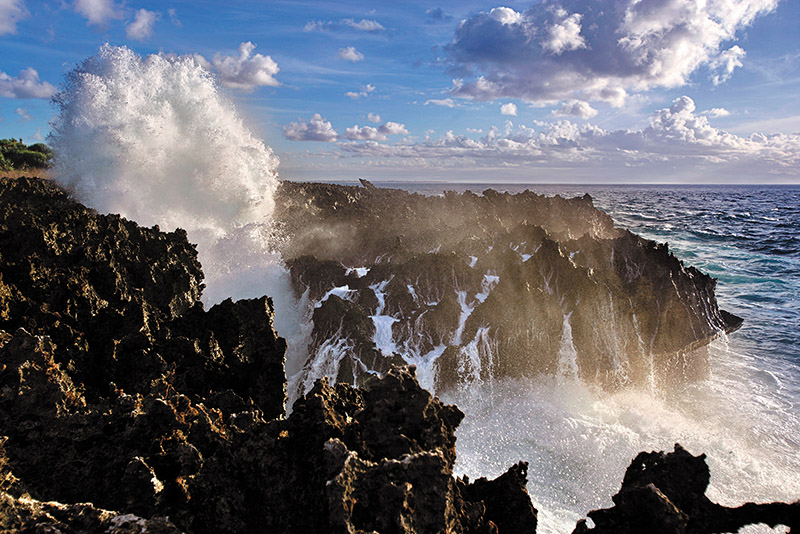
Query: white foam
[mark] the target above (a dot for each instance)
(154, 140)
(579, 440)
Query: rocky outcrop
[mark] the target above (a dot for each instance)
(665, 494)
(118, 389)
(483, 286)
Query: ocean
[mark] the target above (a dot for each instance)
(745, 417)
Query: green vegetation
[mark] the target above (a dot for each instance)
(15, 155)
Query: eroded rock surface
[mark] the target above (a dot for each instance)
(471, 287)
(120, 391)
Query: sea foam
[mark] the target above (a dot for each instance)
(155, 140)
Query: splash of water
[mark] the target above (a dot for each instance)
(154, 140)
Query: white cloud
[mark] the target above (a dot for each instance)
(445, 102)
(676, 138)
(23, 114)
(11, 12)
(564, 34)
(575, 108)
(505, 15)
(509, 109)
(600, 50)
(716, 112)
(366, 90)
(367, 25)
(97, 12)
(373, 117)
(364, 25)
(245, 72)
(351, 54)
(25, 85)
(393, 128)
(381, 133)
(723, 65)
(362, 133)
(316, 129)
(141, 28)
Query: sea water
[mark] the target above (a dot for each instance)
(745, 417)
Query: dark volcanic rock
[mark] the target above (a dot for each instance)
(492, 285)
(665, 494)
(118, 389)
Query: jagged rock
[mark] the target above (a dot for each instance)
(118, 389)
(493, 285)
(121, 303)
(664, 493)
(506, 500)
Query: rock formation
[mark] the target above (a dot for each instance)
(118, 389)
(665, 494)
(126, 407)
(482, 286)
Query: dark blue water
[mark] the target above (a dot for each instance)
(746, 417)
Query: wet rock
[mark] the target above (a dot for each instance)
(118, 389)
(665, 493)
(494, 285)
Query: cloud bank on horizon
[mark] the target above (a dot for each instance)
(553, 90)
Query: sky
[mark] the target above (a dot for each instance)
(580, 91)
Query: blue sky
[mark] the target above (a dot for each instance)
(553, 91)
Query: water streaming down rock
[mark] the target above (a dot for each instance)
(476, 287)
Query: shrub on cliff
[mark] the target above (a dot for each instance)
(15, 154)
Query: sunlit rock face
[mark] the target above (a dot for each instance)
(473, 287)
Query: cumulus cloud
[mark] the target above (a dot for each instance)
(366, 90)
(381, 133)
(11, 12)
(366, 25)
(245, 71)
(351, 54)
(676, 137)
(373, 117)
(509, 109)
(316, 129)
(599, 50)
(141, 28)
(444, 102)
(25, 85)
(97, 12)
(505, 15)
(575, 108)
(564, 34)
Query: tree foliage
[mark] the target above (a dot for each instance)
(15, 155)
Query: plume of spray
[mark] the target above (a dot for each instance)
(154, 140)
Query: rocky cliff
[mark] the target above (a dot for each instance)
(126, 407)
(118, 389)
(473, 287)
